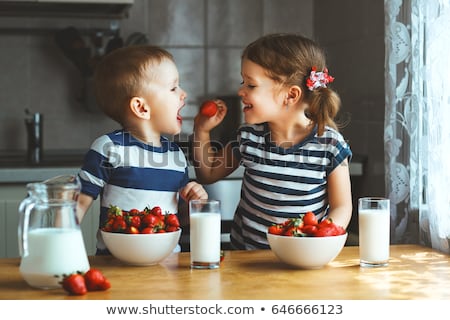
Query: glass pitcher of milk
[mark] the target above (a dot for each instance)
(50, 240)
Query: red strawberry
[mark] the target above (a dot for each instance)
(148, 230)
(105, 285)
(132, 230)
(171, 219)
(208, 108)
(119, 224)
(74, 284)
(134, 221)
(95, 280)
(170, 228)
(157, 211)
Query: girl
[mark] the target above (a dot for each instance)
(295, 159)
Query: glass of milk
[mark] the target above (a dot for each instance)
(374, 231)
(205, 233)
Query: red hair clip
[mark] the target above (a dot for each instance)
(318, 79)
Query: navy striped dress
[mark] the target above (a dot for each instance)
(128, 173)
(281, 183)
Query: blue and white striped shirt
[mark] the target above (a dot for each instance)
(282, 183)
(128, 173)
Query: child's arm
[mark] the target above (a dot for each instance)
(210, 164)
(83, 204)
(340, 195)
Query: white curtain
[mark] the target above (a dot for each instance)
(417, 120)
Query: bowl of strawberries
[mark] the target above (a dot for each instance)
(141, 237)
(305, 243)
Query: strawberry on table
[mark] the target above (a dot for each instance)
(96, 281)
(74, 284)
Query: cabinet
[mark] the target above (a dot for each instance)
(10, 197)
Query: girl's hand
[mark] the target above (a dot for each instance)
(203, 123)
(193, 191)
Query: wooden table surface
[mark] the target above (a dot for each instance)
(414, 272)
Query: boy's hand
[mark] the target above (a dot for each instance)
(193, 191)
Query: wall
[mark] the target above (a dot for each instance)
(205, 36)
(353, 34)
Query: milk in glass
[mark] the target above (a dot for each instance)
(205, 239)
(374, 234)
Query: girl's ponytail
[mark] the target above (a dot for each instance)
(324, 104)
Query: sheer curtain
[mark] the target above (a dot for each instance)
(417, 120)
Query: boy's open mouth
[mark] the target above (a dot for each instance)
(247, 107)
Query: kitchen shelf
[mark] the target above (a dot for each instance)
(105, 31)
(65, 9)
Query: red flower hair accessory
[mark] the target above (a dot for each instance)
(318, 79)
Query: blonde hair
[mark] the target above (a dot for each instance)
(288, 60)
(122, 74)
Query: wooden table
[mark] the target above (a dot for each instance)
(414, 272)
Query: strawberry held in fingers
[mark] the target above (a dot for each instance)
(209, 108)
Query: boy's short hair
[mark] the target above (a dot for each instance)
(121, 74)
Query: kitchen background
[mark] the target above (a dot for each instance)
(206, 37)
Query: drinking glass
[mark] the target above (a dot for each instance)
(374, 231)
(205, 233)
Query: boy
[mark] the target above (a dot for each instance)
(137, 167)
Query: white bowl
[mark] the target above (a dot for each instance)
(306, 252)
(141, 249)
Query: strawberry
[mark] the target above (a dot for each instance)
(170, 228)
(105, 285)
(208, 108)
(157, 211)
(134, 221)
(171, 219)
(119, 225)
(95, 280)
(151, 220)
(74, 284)
(132, 230)
(147, 230)
(134, 212)
(114, 211)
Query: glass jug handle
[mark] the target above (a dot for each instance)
(24, 209)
